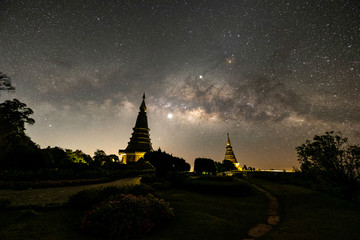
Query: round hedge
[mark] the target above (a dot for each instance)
(127, 216)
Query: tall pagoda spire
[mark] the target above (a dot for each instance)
(229, 154)
(140, 139)
(228, 140)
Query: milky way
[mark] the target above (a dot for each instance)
(271, 73)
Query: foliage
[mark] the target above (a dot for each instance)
(165, 163)
(90, 197)
(127, 216)
(21, 152)
(226, 165)
(77, 157)
(13, 116)
(5, 83)
(141, 164)
(17, 150)
(60, 158)
(57, 156)
(101, 159)
(204, 165)
(331, 162)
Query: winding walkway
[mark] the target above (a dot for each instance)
(55, 196)
(272, 217)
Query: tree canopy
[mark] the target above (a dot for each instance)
(5, 83)
(329, 159)
(165, 163)
(204, 165)
(16, 148)
(13, 116)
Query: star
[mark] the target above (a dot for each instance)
(215, 68)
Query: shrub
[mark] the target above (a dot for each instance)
(127, 216)
(89, 197)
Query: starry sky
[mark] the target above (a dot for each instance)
(271, 73)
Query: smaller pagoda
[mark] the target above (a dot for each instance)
(229, 154)
(140, 140)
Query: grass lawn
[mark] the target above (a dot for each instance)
(40, 224)
(307, 214)
(304, 214)
(201, 216)
(197, 216)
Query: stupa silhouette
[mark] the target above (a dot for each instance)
(229, 154)
(140, 140)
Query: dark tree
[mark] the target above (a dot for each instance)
(328, 159)
(13, 116)
(204, 165)
(114, 158)
(219, 167)
(5, 83)
(17, 150)
(75, 156)
(100, 157)
(57, 157)
(228, 165)
(165, 163)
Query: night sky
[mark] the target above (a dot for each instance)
(271, 73)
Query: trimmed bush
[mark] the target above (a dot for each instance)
(127, 216)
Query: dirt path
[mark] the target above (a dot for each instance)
(54, 196)
(272, 219)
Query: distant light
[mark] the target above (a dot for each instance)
(200, 76)
(170, 116)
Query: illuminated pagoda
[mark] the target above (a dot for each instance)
(229, 154)
(140, 140)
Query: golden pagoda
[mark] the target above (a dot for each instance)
(229, 154)
(140, 140)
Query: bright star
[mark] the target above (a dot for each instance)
(170, 116)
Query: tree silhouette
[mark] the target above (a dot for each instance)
(75, 156)
(328, 159)
(165, 163)
(204, 165)
(57, 156)
(5, 83)
(17, 150)
(13, 116)
(100, 157)
(229, 165)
